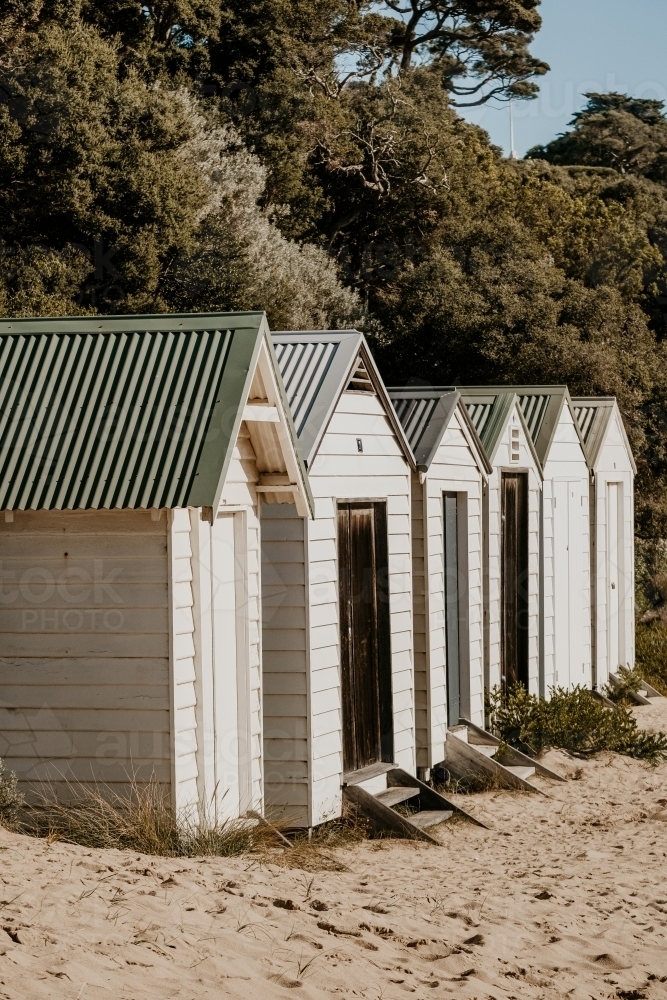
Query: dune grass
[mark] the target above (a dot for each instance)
(142, 820)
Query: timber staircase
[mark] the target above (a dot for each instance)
(472, 753)
(645, 695)
(394, 802)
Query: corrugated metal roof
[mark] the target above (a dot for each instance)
(304, 367)
(479, 414)
(425, 415)
(585, 416)
(122, 412)
(490, 409)
(415, 416)
(593, 415)
(317, 367)
(534, 408)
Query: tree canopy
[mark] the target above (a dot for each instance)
(306, 157)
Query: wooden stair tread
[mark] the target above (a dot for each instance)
(430, 817)
(393, 796)
(484, 748)
(520, 771)
(365, 773)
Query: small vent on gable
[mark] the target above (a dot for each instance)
(360, 381)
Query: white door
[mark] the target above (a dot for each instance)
(230, 674)
(561, 584)
(568, 584)
(575, 583)
(614, 576)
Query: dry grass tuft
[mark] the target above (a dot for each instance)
(317, 852)
(140, 820)
(143, 821)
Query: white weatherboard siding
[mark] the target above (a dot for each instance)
(239, 493)
(84, 638)
(502, 462)
(340, 472)
(217, 681)
(454, 469)
(302, 681)
(614, 554)
(285, 664)
(566, 561)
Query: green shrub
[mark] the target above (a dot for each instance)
(651, 653)
(572, 721)
(11, 799)
(630, 683)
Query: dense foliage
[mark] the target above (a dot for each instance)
(306, 157)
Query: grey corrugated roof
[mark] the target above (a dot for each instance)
(121, 412)
(542, 407)
(425, 415)
(316, 367)
(593, 414)
(489, 409)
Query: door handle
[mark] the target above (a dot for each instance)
(613, 586)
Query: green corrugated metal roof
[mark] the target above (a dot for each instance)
(489, 409)
(123, 411)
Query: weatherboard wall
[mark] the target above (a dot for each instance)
(502, 461)
(84, 670)
(302, 672)
(613, 465)
(566, 598)
(454, 469)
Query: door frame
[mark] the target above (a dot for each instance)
(463, 601)
(383, 613)
(620, 572)
(525, 472)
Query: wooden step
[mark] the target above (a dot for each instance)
(393, 796)
(520, 771)
(465, 761)
(484, 748)
(430, 817)
(366, 773)
(514, 756)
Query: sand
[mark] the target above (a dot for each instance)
(565, 897)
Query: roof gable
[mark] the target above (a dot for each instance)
(317, 367)
(122, 412)
(594, 416)
(490, 409)
(425, 415)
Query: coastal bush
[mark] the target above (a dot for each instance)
(651, 652)
(11, 799)
(569, 720)
(630, 681)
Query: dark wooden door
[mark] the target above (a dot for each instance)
(364, 633)
(452, 608)
(514, 582)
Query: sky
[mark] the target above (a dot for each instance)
(591, 45)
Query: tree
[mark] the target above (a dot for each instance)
(119, 195)
(625, 134)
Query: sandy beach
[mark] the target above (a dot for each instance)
(566, 896)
